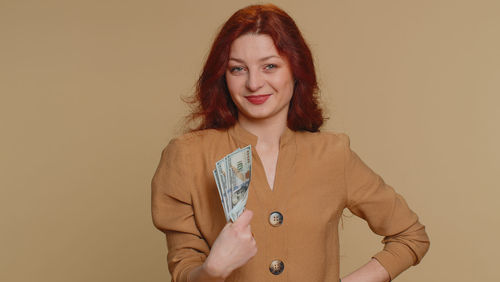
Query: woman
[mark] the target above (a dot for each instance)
(258, 87)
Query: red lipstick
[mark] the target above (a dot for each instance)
(257, 99)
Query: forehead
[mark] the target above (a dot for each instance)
(253, 47)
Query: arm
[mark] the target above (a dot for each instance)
(387, 213)
(233, 248)
(372, 271)
(189, 256)
(173, 213)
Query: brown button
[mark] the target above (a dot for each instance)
(275, 218)
(276, 267)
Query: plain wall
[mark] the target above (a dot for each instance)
(90, 95)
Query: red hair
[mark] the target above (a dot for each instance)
(213, 103)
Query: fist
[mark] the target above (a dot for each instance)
(233, 248)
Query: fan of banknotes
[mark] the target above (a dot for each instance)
(232, 176)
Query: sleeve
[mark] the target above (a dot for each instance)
(387, 213)
(172, 211)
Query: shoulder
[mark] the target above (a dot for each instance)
(323, 140)
(197, 138)
(199, 145)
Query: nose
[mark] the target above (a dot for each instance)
(254, 81)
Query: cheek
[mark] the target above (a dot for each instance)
(234, 85)
(284, 84)
(229, 83)
(234, 88)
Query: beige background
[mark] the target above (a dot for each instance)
(90, 96)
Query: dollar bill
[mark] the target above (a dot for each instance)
(222, 198)
(239, 164)
(232, 176)
(222, 173)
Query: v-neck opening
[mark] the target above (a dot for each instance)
(284, 165)
(258, 158)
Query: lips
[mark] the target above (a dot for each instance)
(257, 99)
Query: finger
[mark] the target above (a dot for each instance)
(246, 232)
(228, 224)
(244, 219)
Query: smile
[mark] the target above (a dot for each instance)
(257, 99)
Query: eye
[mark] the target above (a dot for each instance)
(271, 66)
(235, 69)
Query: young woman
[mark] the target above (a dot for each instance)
(258, 87)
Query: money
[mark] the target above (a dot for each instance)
(232, 175)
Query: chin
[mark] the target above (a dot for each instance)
(258, 116)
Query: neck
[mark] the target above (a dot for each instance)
(268, 131)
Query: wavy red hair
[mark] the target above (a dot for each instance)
(213, 104)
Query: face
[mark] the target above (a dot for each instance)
(259, 79)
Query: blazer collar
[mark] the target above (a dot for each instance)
(245, 138)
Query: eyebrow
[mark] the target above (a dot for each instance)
(260, 60)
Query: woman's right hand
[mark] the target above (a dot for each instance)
(233, 248)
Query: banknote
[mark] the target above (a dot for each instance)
(239, 164)
(222, 199)
(232, 176)
(222, 174)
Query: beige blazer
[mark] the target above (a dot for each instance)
(317, 176)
